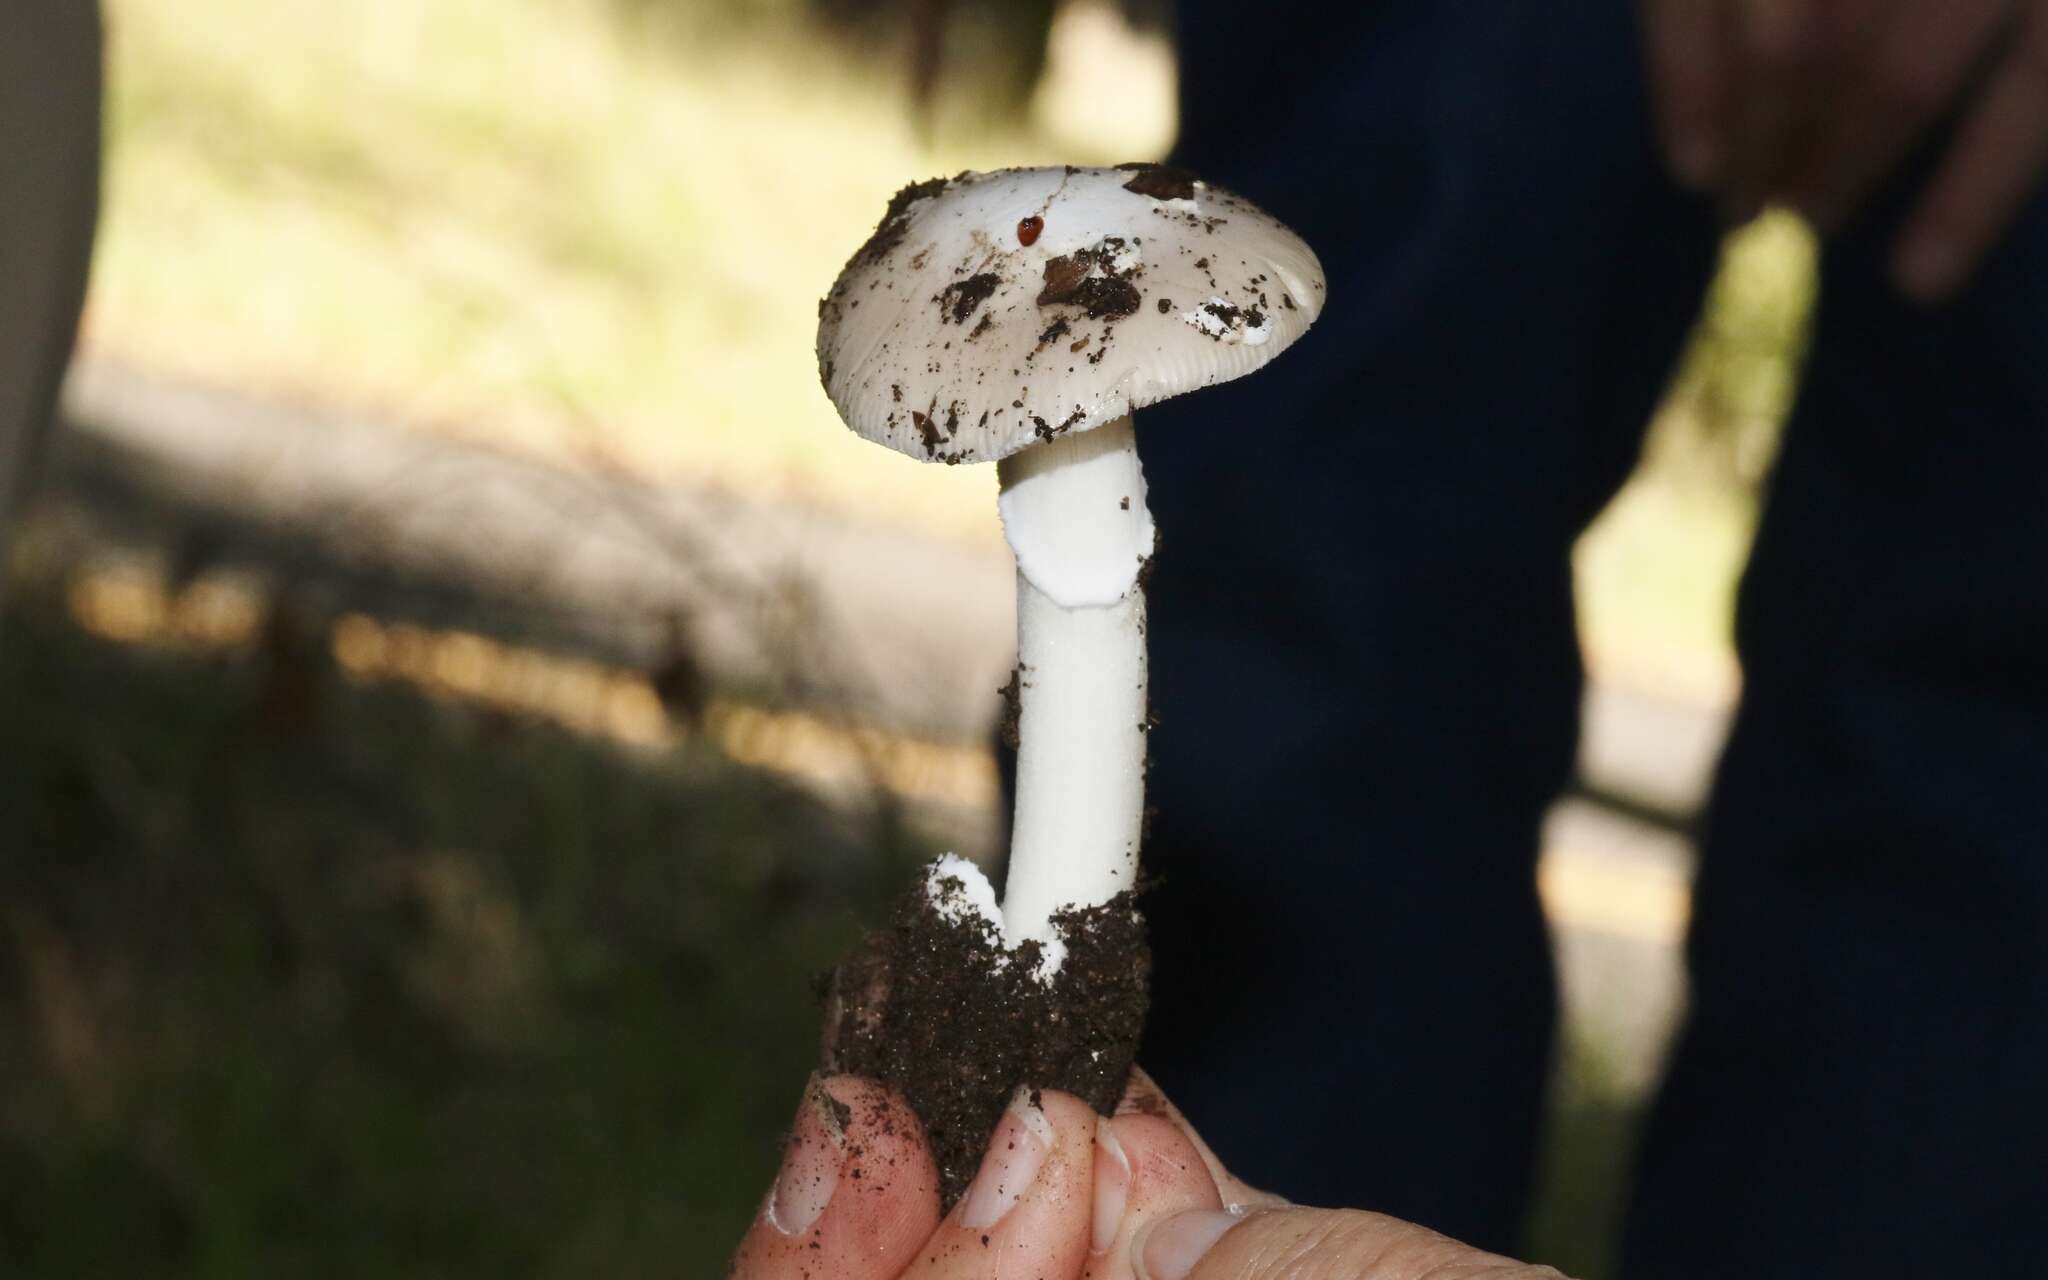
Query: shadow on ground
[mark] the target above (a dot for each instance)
(305, 977)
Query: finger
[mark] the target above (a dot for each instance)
(1773, 96)
(857, 1193)
(1907, 75)
(1688, 59)
(1273, 1243)
(1839, 37)
(1990, 170)
(1143, 1096)
(1027, 1211)
(1146, 1169)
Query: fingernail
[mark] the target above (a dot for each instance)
(1172, 1248)
(1112, 1184)
(810, 1168)
(1928, 268)
(1022, 1140)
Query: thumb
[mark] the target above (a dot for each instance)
(1311, 1244)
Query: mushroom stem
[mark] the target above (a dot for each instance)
(1074, 512)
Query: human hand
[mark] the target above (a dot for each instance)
(1062, 1195)
(1816, 103)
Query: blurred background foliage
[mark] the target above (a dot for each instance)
(1731, 395)
(307, 973)
(595, 230)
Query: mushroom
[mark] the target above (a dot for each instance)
(1019, 317)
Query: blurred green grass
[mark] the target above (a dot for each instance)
(305, 977)
(1585, 1167)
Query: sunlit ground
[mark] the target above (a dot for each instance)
(528, 222)
(538, 225)
(217, 616)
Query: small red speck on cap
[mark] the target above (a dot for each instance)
(1028, 229)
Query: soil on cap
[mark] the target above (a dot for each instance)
(895, 221)
(958, 300)
(1230, 319)
(1089, 279)
(936, 1009)
(1160, 181)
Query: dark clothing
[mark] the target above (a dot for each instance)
(1365, 666)
(1863, 1081)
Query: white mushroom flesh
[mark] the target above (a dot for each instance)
(1074, 512)
(1020, 316)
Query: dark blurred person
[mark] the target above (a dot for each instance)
(49, 202)
(1365, 648)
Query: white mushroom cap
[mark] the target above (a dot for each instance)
(993, 310)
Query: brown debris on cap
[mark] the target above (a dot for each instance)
(1160, 181)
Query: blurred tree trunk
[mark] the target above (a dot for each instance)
(49, 202)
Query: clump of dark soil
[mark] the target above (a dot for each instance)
(958, 300)
(936, 1008)
(888, 233)
(1160, 181)
(1089, 279)
(1012, 694)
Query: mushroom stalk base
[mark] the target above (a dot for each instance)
(1074, 511)
(938, 1009)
